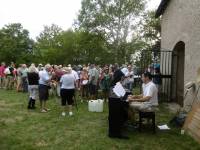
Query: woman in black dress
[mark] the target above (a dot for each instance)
(118, 107)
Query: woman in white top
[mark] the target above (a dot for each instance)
(68, 85)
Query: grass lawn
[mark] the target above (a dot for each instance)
(21, 129)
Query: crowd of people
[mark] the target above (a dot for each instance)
(90, 81)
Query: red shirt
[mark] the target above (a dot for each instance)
(59, 74)
(2, 69)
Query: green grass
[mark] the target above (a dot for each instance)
(21, 129)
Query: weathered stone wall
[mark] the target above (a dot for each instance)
(181, 22)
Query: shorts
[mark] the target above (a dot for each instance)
(43, 92)
(67, 96)
(19, 80)
(142, 106)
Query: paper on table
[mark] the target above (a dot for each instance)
(163, 127)
(119, 90)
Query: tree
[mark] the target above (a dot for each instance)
(15, 44)
(112, 18)
(49, 37)
(91, 47)
(49, 43)
(149, 29)
(70, 47)
(78, 47)
(149, 32)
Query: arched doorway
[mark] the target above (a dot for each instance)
(178, 65)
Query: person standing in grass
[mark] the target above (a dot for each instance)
(10, 76)
(24, 72)
(19, 78)
(84, 83)
(33, 81)
(75, 73)
(58, 75)
(44, 85)
(105, 81)
(117, 107)
(93, 81)
(2, 75)
(158, 80)
(129, 78)
(68, 84)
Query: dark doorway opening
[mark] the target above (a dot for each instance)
(178, 64)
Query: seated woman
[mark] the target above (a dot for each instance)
(118, 108)
(149, 98)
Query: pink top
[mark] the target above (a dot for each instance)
(2, 69)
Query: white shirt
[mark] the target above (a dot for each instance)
(131, 76)
(75, 75)
(44, 77)
(68, 81)
(150, 89)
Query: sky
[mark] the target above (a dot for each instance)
(34, 14)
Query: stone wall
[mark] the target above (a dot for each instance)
(181, 22)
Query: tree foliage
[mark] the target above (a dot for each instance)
(148, 32)
(113, 18)
(62, 47)
(49, 42)
(149, 28)
(107, 31)
(15, 44)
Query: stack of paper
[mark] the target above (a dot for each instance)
(163, 127)
(119, 90)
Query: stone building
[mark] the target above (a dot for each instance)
(180, 32)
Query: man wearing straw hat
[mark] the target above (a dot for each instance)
(68, 85)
